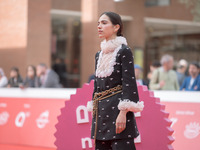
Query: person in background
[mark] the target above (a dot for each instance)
(91, 77)
(138, 71)
(61, 69)
(181, 71)
(192, 82)
(15, 78)
(3, 79)
(47, 78)
(155, 65)
(31, 78)
(164, 78)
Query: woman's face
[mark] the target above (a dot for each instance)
(13, 74)
(106, 29)
(30, 72)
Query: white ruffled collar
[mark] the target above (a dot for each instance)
(111, 45)
(107, 56)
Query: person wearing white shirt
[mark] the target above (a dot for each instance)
(3, 79)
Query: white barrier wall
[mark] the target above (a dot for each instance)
(40, 108)
(165, 96)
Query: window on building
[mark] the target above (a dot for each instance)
(150, 3)
(65, 49)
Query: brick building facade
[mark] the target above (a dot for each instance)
(34, 31)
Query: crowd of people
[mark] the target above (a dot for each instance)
(163, 77)
(160, 77)
(40, 76)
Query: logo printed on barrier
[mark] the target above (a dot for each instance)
(81, 123)
(174, 120)
(188, 113)
(192, 130)
(20, 119)
(4, 117)
(3, 105)
(43, 119)
(78, 115)
(84, 140)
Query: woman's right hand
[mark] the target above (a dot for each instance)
(121, 122)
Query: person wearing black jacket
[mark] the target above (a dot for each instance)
(115, 96)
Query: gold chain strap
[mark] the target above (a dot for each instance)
(101, 96)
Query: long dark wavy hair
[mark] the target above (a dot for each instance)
(115, 19)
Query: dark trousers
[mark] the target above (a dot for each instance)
(122, 144)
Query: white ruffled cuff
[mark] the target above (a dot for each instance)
(90, 106)
(128, 105)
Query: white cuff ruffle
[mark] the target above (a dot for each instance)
(90, 106)
(128, 105)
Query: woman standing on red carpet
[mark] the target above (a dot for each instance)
(115, 97)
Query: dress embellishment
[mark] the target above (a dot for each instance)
(107, 56)
(129, 105)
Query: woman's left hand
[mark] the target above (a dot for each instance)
(121, 122)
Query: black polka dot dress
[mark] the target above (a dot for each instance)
(122, 74)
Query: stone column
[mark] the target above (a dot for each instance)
(25, 33)
(39, 32)
(91, 9)
(135, 28)
(13, 34)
